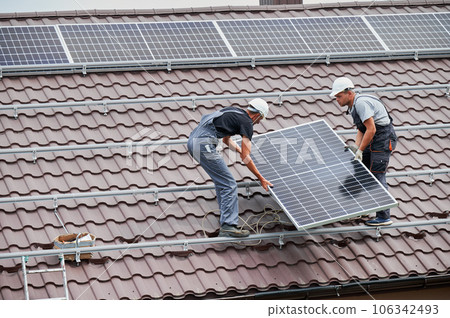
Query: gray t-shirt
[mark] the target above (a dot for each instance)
(369, 106)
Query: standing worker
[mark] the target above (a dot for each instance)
(375, 138)
(202, 145)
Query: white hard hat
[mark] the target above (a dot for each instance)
(340, 84)
(259, 105)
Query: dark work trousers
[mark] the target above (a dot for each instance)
(202, 144)
(377, 162)
(376, 156)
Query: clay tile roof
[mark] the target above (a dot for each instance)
(214, 270)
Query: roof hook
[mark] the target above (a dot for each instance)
(105, 109)
(155, 194)
(34, 156)
(16, 114)
(55, 204)
(84, 70)
(280, 241)
(185, 246)
(253, 65)
(247, 188)
(378, 233)
(169, 66)
(280, 98)
(129, 150)
(448, 91)
(327, 60)
(194, 106)
(431, 179)
(416, 55)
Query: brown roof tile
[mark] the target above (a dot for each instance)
(211, 270)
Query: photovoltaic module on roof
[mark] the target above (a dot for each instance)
(31, 45)
(263, 37)
(337, 34)
(184, 40)
(316, 181)
(105, 42)
(410, 31)
(221, 39)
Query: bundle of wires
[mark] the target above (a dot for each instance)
(256, 223)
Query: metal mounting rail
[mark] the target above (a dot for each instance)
(100, 146)
(134, 192)
(219, 240)
(168, 142)
(248, 61)
(192, 100)
(417, 173)
(157, 191)
(398, 128)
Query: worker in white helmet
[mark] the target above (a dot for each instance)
(202, 145)
(375, 138)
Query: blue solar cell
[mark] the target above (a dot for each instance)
(105, 43)
(444, 19)
(316, 181)
(410, 31)
(337, 34)
(31, 45)
(184, 40)
(263, 37)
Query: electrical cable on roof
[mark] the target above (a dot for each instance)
(257, 226)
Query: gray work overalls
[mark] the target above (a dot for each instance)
(377, 154)
(202, 144)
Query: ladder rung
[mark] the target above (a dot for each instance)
(45, 270)
(48, 270)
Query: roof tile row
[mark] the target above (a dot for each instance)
(210, 270)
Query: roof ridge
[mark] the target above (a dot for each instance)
(212, 9)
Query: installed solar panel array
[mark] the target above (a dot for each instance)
(316, 181)
(128, 42)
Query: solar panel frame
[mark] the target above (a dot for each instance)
(316, 181)
(410, 31)
(184, 40)
(31, 45)
(337, 34)
(105, 42)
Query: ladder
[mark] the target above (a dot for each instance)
(49, 270)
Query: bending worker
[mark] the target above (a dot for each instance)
(375, 138)
(202, 145)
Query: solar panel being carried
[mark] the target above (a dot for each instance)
(316, 181)
(105, 43)
(31, 45)
(410, 31)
